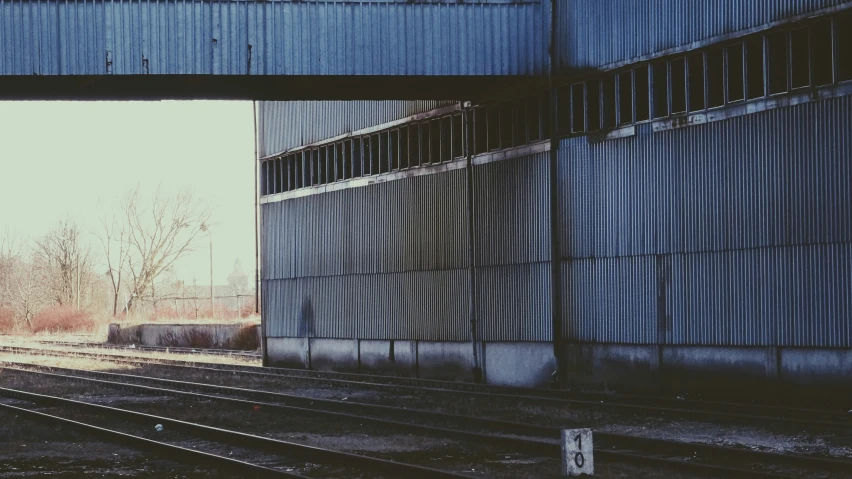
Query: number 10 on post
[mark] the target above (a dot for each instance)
(577, 458)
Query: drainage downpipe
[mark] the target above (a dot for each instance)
(558, 378)
(257, 308)
(467, 118)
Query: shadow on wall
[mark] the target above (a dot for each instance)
(306, 319)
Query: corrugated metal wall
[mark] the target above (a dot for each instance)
(741, 226)
(593, 33)
(390, 260)
(284, 125)
(512, 235)
(383, 261)
(125, 37)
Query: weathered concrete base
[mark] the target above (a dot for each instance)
(620, 365)
(445, 360)
(334, 354)
(711, 370)
(519, 364)
(288, 352)
(724, 371)
(390, 357)
(223, 336)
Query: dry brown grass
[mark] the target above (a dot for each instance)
(90, 364)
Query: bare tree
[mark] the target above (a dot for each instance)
(159, 235)
(66, 262)
(113, 236)
(23, 284)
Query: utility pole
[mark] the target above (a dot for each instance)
(206, 228)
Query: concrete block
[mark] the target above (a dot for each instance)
(398, 358)
(445, 360)
(719, 370)
(334, 354)
(190, 335)
(287, 352)
(519, 364)
(618, 366)
(123, 334)
(816, 366)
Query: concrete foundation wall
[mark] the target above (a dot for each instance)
(732, 371)
(223, 336)
(287, 352)
(719, 368)
(397, 358)
(519, 364)
(445, 360)
(808, 366)
(333, 354)
(620, 365)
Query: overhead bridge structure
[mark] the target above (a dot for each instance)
(272, 49)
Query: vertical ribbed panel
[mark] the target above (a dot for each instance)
(286, 37)
(283, 125)
(512, 201)
(514, 303)
(424, 305)
(774, 178)
(416, 223)
(788, 296)
(383, 261)
(594, 33)
(611, 300)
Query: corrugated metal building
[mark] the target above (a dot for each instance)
(687, 219)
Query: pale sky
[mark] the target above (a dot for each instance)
(67, 158)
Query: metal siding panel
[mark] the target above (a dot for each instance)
(512, 201)
(514, 303)
(774, 178)
(38, 37)
(594, 33)
(286, 125)
(751, 212)
(611, 300)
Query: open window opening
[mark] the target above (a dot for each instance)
(357, 158)
(776, 44)
(608, 97)
(403, 148)
(641, 90)
(696, 81)
(593, 104)
(625, 98)
(480, 130)
(678, 74)
(736, 72)
(458, 136)
(754, 67)
(661, 89)
(414, 145)
(435, 147)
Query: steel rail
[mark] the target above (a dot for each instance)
(175, 349)
(613, 446)
(241, 439)
(170, 451)
(684, 408)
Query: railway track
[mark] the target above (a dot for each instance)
(694, 457)
(620, 403)
(280, 454)
(165, 349)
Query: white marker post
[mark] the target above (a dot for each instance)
(577, 452)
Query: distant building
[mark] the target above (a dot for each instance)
(238, 280)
